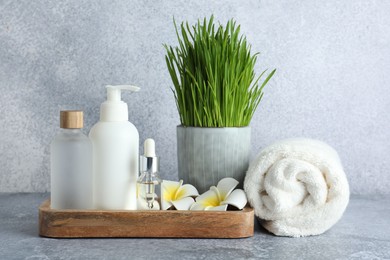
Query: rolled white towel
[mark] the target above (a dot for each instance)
(297, 187)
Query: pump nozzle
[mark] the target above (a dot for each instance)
(114, 109)
(114, 92)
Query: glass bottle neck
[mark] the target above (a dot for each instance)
(70, 130)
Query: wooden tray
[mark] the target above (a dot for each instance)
(167, 223)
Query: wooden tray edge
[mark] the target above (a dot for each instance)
(161, 224)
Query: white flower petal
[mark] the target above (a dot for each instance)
(197, 206)
(168, 191)
(226, 186)
(187, 190)
(209, 199)
(183, 204)
(165, 204)
(170, 187)
(218, 208)
(237, 199)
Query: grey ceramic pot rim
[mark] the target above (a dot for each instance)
(222, 129)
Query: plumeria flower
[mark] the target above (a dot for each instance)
(218, 198)
(176, 194)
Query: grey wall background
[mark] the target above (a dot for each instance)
(332, 82)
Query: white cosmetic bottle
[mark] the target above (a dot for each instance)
(115, 153)
(71, 164)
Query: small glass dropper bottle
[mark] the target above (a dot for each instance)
(149, 167)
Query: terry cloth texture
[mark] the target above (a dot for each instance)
(297, 187)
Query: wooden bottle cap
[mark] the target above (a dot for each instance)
(71, 119)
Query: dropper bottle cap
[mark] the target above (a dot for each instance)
(149, 162)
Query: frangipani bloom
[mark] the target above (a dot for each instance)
(218, 198)
(175, 194)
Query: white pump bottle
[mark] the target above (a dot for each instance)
(115, 153)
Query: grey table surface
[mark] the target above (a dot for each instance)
(362, 233)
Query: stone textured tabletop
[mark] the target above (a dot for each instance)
(362, 233)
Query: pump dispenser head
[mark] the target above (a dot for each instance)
(114, 109)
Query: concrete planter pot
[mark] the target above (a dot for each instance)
(206, 155)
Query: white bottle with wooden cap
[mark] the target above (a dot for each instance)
(115, 150)
(71, 164)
